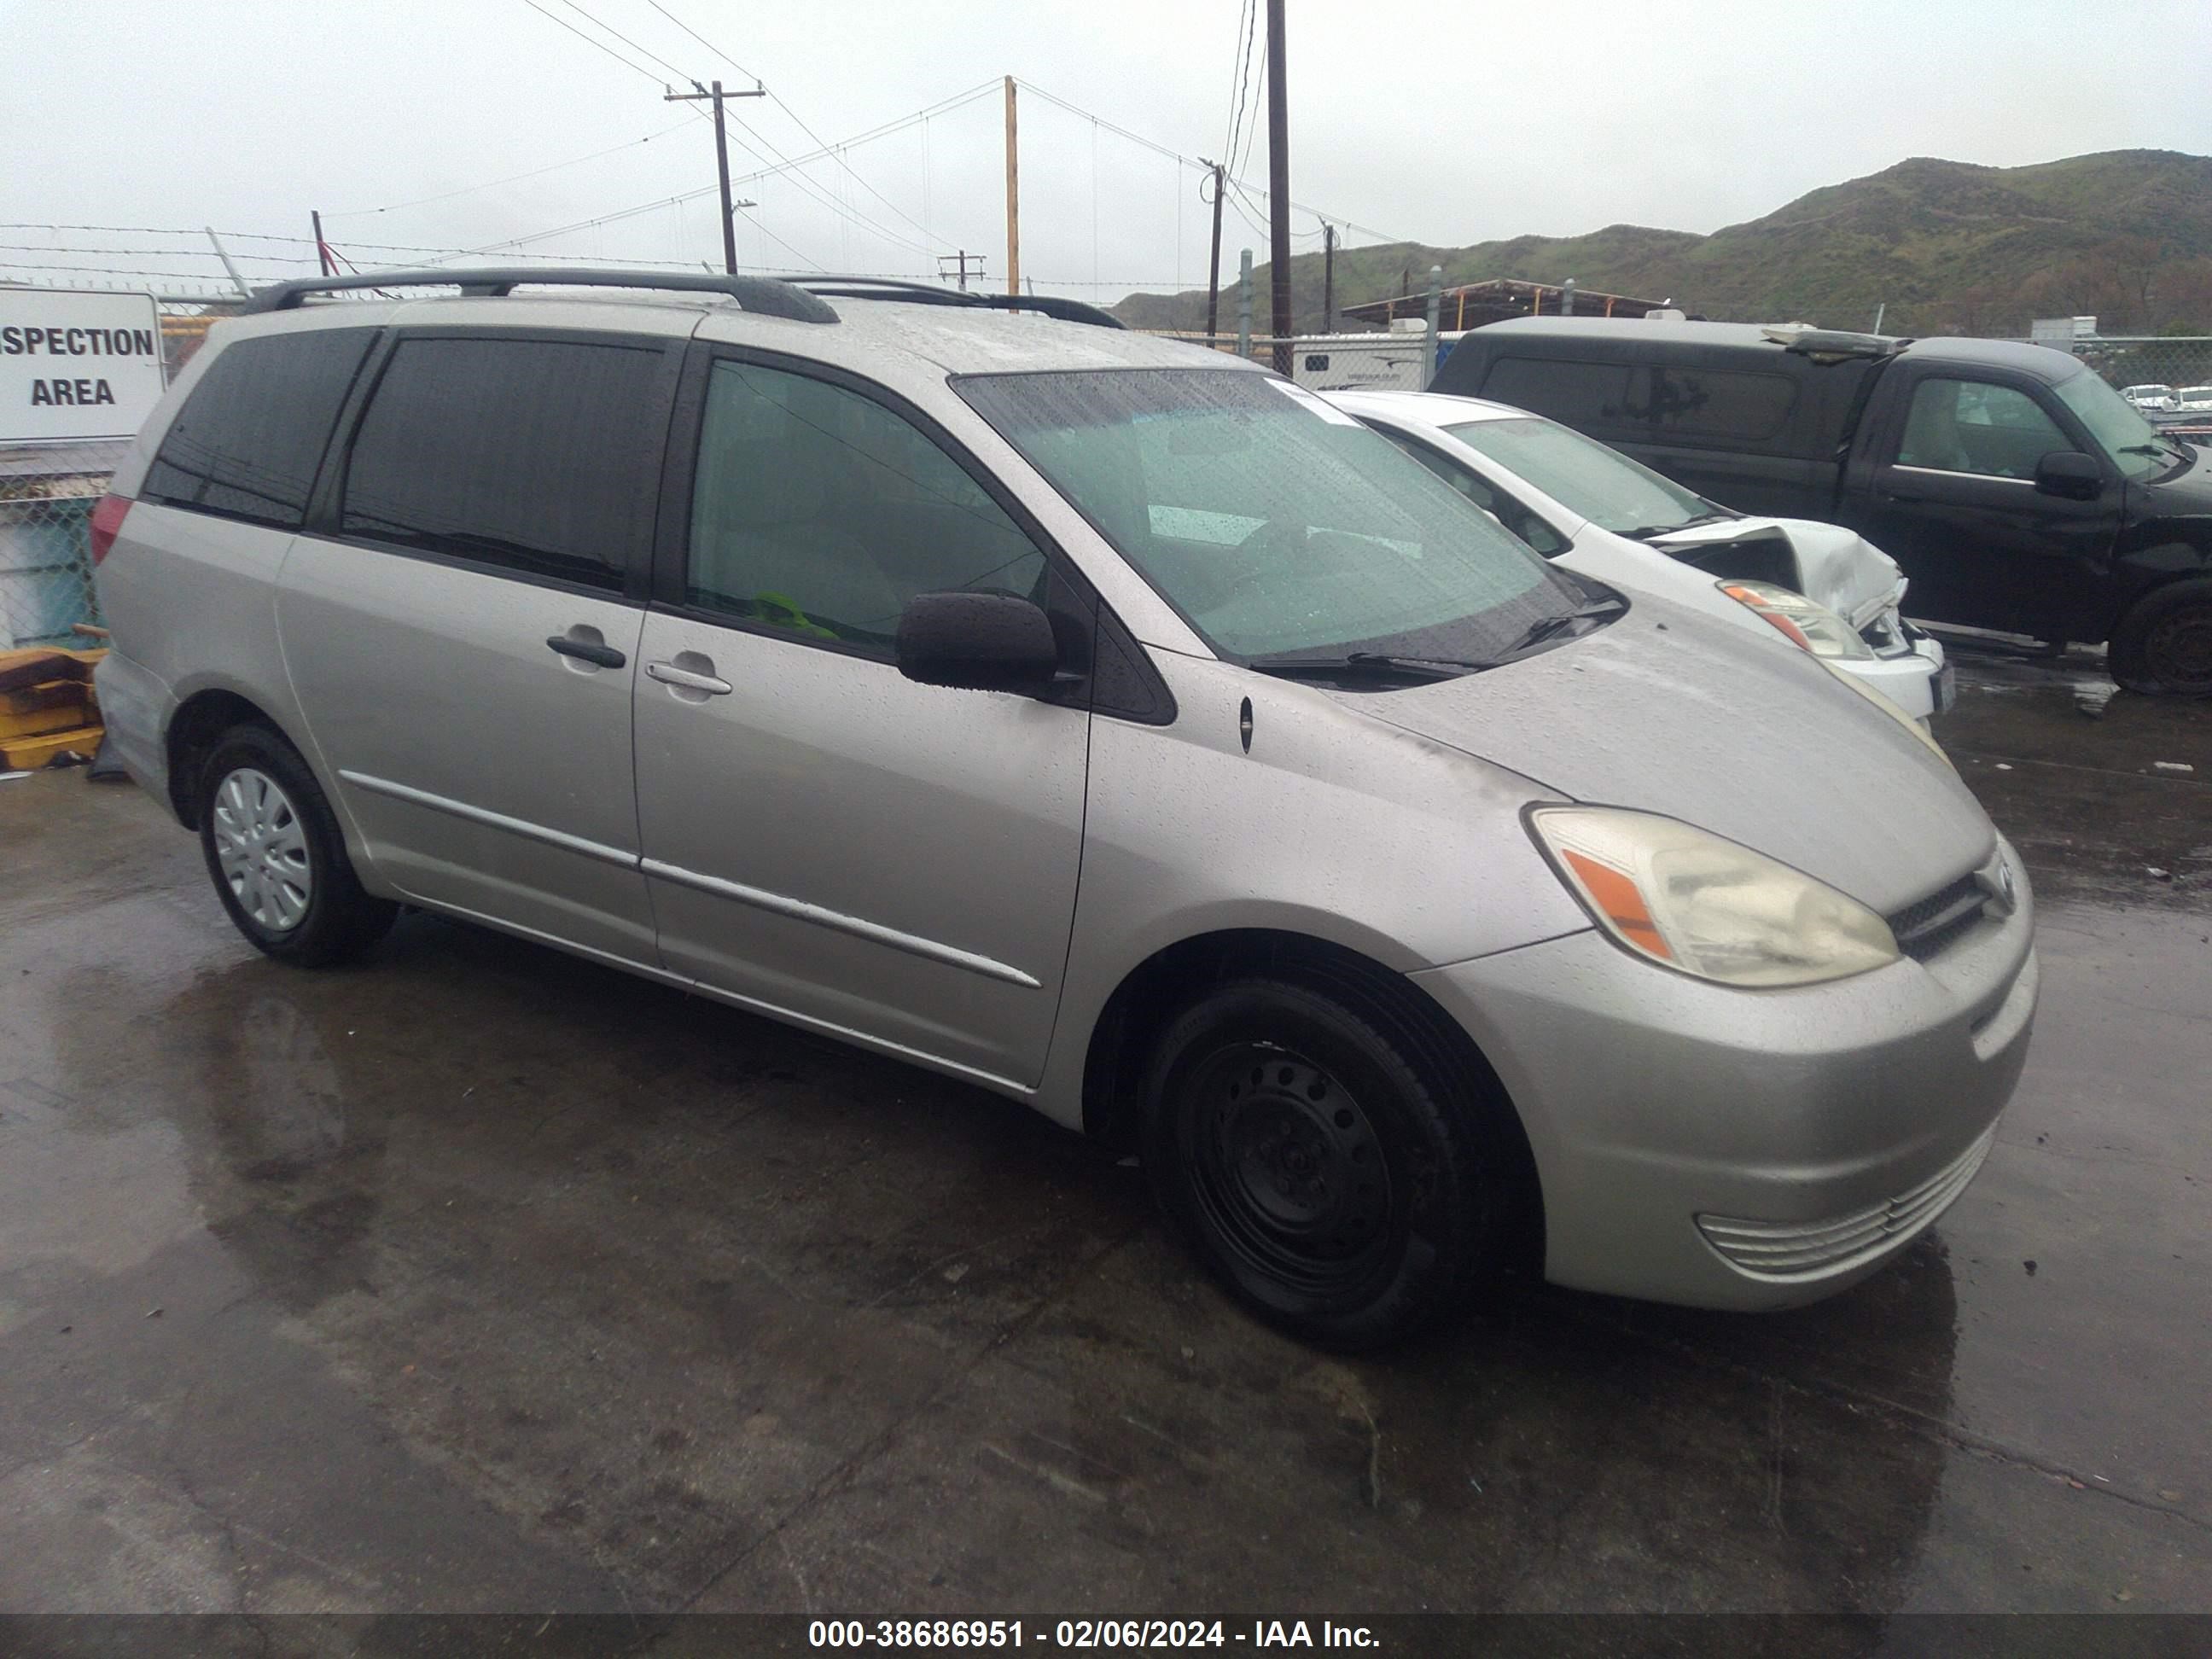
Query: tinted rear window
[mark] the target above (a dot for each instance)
(1655, 403)
(1714, 403)
(247, 441)
(533, 455)
(1580, 394)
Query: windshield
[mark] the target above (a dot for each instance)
(1273, 522)
(2132, 442)
(1584, 476)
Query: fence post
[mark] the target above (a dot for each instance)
(1245, 305)
(1436, 307)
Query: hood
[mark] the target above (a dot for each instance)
(1836, 567)
(2188, 491)
(1670, 712)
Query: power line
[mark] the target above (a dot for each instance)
(825, 147)
(704, 41)
(610, 28)
(943, 106)
(589, 40)
(831, 202)
(1243, 56)
(1196, 165)
(511, 179)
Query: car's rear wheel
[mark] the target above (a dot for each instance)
(1331, 1168)
(277, 856)
(2164, 644)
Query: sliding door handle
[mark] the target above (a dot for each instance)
(685, 679)
(591, 651)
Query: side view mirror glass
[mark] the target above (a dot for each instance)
(2070, 474)
(977, 642)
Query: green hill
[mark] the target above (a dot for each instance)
(1945, 245)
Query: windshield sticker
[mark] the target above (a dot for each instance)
(1321, 406)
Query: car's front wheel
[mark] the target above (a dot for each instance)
(2164, 644)
(1335, 1171)
(277, 856)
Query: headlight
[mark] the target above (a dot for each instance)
(1893, 711)
(1689, 899)
(1801, 621)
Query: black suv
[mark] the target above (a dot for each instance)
(2016, 489)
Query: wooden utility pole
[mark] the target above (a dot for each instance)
(1279, 187)
(322, 248)
(1328, 279)
(721, 160)
(1013, 196)
(1213, 271)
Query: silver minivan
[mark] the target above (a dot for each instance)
(1100, 720)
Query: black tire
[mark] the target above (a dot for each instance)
(337, 920)
(1340, 1174)
(2163, 646)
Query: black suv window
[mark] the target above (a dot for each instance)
(248, 439)
(1712, 402)
(529, 454)
(1653, 403)
(818, 510)
(1577, 394)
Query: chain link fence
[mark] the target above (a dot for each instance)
(2168, 378)
(46, 498)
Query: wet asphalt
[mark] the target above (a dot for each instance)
(478, 1278)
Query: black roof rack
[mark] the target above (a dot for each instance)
(763, 294)
(831, 286)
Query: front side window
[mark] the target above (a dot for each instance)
(817, 510)
(1584, 475)
(1273, 522)
(248, 439)
(1977, 427)
(535, 456)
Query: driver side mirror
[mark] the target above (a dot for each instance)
(2070, 474)
(977, 642)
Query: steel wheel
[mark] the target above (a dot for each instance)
(1289, 1170)
(261, 850)
(2178, 650)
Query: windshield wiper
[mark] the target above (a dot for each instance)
(1382, 664)
(1366, 664)
(1645, 533)
(1545, 628)
(2172, 448)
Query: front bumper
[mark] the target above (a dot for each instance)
(1726, 1148)
(1918, 680)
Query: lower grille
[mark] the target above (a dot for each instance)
(1794, 1249)
(1927, 927)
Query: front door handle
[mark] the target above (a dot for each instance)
(591, 651)
(687, 679)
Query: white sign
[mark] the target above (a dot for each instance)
(77, 365)
(2061, 332)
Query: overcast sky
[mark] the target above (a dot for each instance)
(1453, 122)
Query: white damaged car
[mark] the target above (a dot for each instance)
(1593, 509)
